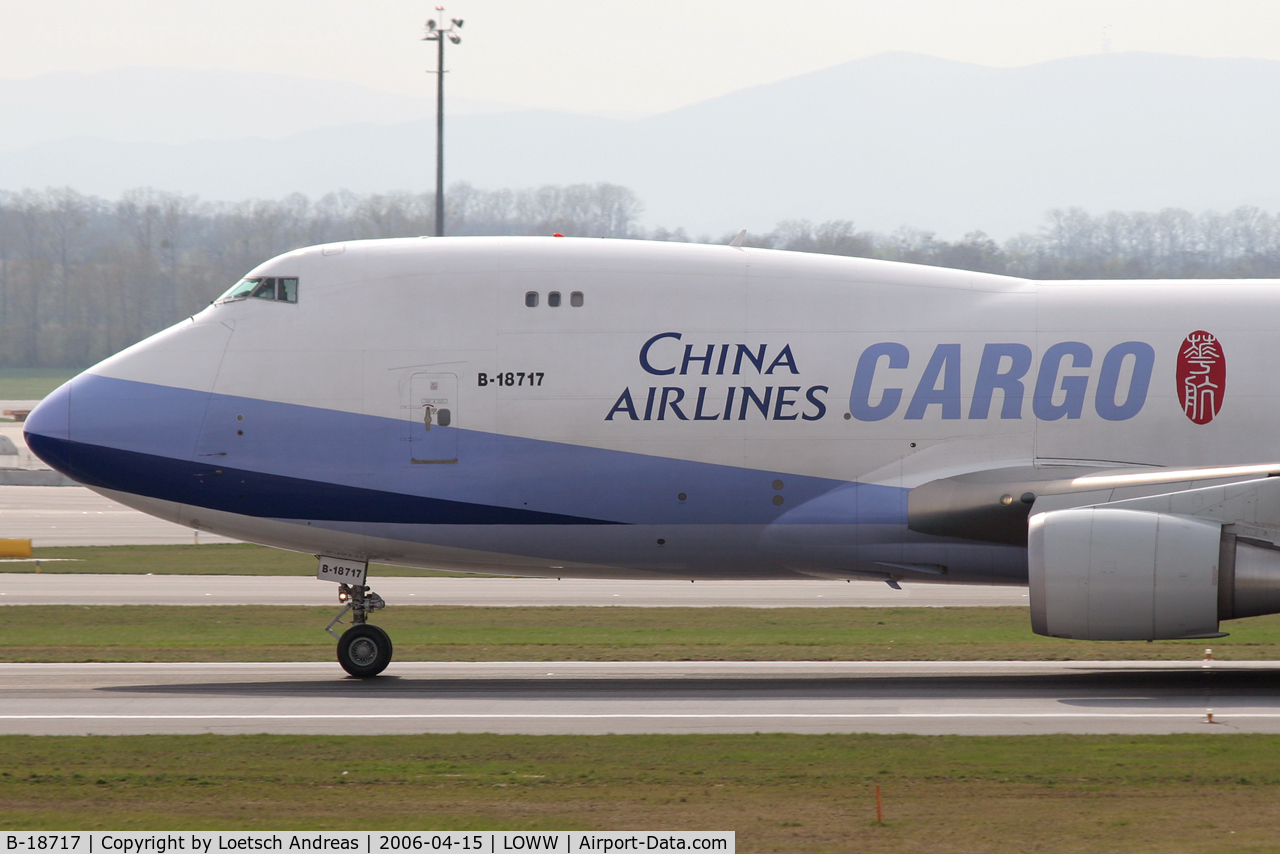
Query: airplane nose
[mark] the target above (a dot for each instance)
(136, 415)
(47, 430)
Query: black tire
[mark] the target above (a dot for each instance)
(364, 651)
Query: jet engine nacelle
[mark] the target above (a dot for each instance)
(1099, 573)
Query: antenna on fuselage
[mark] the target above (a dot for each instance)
(736, 243)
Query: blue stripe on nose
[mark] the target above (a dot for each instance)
(52, 416)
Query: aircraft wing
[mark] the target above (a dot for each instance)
(994, 505)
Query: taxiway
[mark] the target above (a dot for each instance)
(28, 588)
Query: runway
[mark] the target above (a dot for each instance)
(28, 588)
(965, 698)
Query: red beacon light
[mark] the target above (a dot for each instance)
(557, 234)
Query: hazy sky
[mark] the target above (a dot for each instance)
(607, 55)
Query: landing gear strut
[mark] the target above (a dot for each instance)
(364, 651)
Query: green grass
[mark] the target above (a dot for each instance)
(31, 383)
(811, 793)
(447, 633)
(208, 559)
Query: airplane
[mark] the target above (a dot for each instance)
(592, 408)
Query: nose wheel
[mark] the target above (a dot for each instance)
(364, 651)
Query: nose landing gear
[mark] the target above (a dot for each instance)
(364, 651)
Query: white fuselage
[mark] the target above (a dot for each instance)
(704, 412)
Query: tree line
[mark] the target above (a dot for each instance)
(1070, 244)
(82, 277)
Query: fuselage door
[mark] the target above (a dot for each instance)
(433, 418)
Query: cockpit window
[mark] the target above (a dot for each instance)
(239, 290)
(273, 288)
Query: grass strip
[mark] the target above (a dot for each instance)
(453, 633)
(31, 383)
(209, 559)
(779, 792)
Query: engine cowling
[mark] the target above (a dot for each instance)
(1101, 573)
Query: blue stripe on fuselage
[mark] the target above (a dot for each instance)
(271, 496)
(295, 461)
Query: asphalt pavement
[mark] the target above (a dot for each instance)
(966, 698)
(28, 588)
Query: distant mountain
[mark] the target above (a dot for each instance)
(177, 105)
(890, 140)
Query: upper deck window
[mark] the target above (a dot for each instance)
(274, 288)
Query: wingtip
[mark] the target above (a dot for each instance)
(736, 243)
